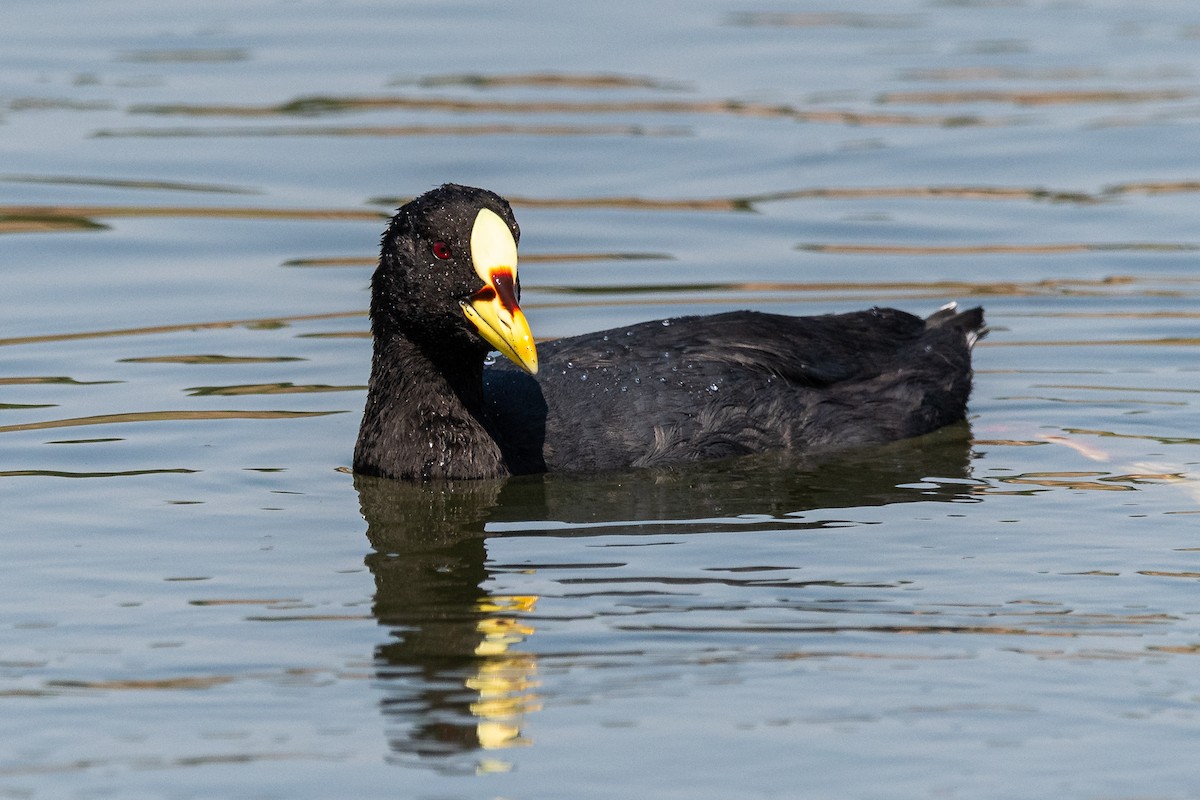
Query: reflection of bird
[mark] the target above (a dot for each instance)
(451, 678)
(457, 668)
(684, 389)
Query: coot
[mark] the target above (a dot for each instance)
(446, 293)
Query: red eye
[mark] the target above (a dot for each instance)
(442, 250)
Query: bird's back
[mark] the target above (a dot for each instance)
(730, 384)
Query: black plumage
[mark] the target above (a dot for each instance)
(655, 393)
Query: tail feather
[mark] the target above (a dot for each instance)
(970, 322)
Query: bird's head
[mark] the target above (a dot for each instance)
(447, 276)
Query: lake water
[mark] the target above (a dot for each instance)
(199, 600)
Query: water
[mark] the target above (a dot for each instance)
(200, 601)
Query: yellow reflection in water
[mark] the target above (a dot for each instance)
(504, 680)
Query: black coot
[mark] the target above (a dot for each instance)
(445, 295)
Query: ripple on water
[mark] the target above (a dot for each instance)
(193, 328)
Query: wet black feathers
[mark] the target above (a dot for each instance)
(709, 387)
(659, 392)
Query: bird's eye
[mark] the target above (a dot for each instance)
(442, 250)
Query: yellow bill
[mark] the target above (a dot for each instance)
(493, 310)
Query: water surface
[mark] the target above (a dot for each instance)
(201, 601)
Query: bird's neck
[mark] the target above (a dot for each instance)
(423, 417)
